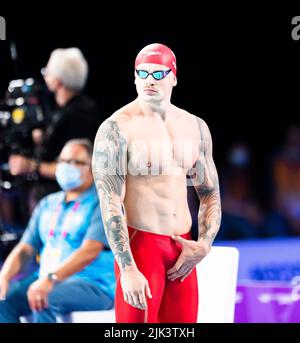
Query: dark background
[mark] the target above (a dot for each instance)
(238, 68)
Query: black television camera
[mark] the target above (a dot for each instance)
(26, 107)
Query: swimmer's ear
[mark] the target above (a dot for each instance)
(175, 81)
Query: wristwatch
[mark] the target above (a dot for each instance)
(52, 277)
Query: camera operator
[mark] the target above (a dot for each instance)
(77, 116)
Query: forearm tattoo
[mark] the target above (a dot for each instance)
(109, 171)
(206, 182)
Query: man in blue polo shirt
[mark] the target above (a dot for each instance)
(66, 232)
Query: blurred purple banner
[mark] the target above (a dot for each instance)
(267, 303)
(268, 288)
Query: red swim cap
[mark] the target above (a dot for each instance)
(158, 54)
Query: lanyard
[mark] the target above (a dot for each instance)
(53, 220)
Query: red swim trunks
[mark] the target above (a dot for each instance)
(172, 301)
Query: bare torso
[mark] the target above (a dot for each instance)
(159, 154)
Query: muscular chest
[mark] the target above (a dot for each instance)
(155, 148)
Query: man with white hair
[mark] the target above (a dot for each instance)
(77, 116)
(66, 73)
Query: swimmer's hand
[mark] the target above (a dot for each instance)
(192, 253)
(135, 287)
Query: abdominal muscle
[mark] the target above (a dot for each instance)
(157, 204)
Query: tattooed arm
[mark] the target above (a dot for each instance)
(206, 183)
(109, 170)
(109, 157)
(205, 180)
